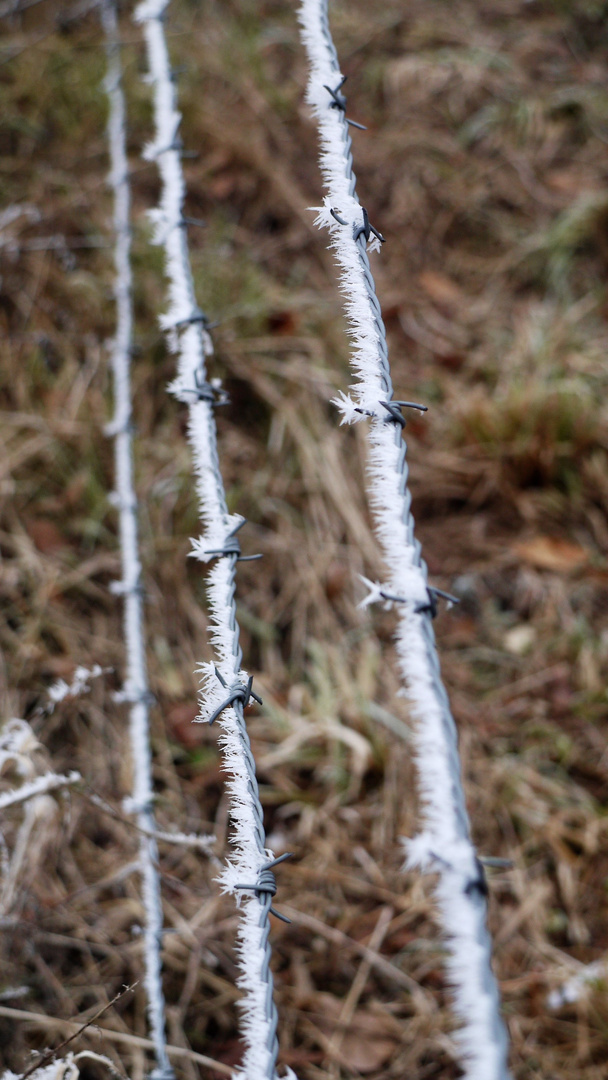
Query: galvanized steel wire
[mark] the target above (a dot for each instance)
(226, 686)
(136, 689)
(445, 845)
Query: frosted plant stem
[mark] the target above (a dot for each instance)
(189, 339)
(579, 985)
(445, 845)
(136, 688)
(40, 786)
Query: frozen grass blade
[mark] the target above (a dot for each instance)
(445, 846)
(136, 689)
(225, 684)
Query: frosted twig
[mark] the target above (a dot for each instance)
(21, 754)
(446, 846)
(40, 786)
(31, 847)
(18, 744)
(50, 1057)
(198, 841)
(579, 985)
(189, 339)
(187, 840)
(79, 685)
(136, 688)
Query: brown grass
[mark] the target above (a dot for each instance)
(485, 167)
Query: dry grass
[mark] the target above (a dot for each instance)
(485, 166)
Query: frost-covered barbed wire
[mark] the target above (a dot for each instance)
(445, 846)
(136, 689)
(226, 686)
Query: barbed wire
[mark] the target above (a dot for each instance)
(226, 687)
(136, 690)
(444, 847)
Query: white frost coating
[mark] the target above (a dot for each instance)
(17, 745)
(79, 685)
(445, 847)
(189, 339)
(136, 688)
(22, 755)
(40, 786)
(66, 1068)
(580, 985)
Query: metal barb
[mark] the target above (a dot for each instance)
(198, 222)
(431, 607)
(394, 407)
(339, 102)
(238, 692)
(476, 885)
(336, 215)
(479, 884)
(266, 886)
(494, 862)
(394, 413)
(137, 697)
(176, 145)
(366, 229)
(232, 545)
(197, 316)
(207, 391)
(410, 405)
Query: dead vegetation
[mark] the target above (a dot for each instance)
(485, 167)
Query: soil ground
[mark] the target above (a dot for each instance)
(484, 165)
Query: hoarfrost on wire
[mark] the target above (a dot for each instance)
(188, 337)
(445, 846)
(136, 686)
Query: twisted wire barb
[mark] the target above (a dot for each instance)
(188, 336)
(136, 689)
(445, 845)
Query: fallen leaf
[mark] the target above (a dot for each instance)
(551, 553)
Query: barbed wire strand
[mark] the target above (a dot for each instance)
(136, 688)
(445, 845)
(226, 688)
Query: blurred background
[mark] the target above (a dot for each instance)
(485, 166)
